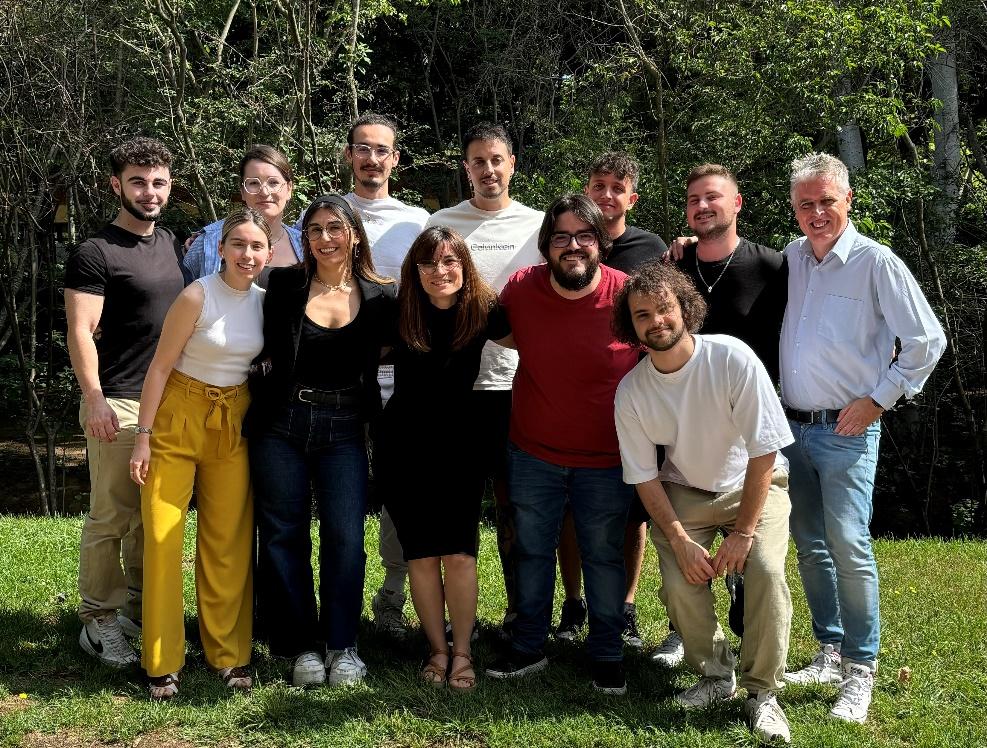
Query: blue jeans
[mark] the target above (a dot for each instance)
(320, 450)
(831, 487)
(599, 500)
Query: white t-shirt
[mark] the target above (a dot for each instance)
(502, 242)
(712, 415)
(392, 227)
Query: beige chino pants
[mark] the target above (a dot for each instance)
(767, 602)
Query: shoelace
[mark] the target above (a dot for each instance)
(853, 688)
(349, 659)
(113, 639)
(769, 714)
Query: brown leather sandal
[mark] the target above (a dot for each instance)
(238, 678)
(467, 682)
(433, 673)
(163, 687)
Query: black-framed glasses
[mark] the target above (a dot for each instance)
(563, 239)
(444, 265)
(253, 185)
(362, 150)
(314, 231)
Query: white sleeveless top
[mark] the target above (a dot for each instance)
(228, 334)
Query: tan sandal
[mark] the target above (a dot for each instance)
(467, 682)
(433, 673)
(238, 678)
(163, 687)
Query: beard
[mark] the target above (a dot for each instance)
(138, 212)
(713, 231)
(573, 280)
(663, 344)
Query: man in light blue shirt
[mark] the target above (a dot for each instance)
(848, 299)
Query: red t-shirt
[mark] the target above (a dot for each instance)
(570, 367)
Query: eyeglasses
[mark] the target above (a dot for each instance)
(314, 231)
(562, 239)
(447, 264)
(253, 185)
(362, 150)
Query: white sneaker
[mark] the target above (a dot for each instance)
(103, 638)
(344, 666)
(388, 612)
(308, 670)
(855, 693)
(824, 668)
(708, 691)
(670, 652)
(767, 720)
(131, 626)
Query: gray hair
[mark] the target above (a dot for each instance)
(819, 165)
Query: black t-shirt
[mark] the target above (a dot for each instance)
(748, 301)
(138, 278)
(634, 248)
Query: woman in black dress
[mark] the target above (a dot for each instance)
(429, 463)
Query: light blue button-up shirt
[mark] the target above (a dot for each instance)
(841, 321)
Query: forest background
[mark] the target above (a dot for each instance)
(896, 88)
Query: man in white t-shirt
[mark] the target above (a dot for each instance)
(502, 235)
(708, 400)
(391, 226)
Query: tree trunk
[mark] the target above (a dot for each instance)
(947, 154)
(851, 146)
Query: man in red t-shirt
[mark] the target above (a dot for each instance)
(563, 447)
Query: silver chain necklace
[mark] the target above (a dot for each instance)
(709, 286)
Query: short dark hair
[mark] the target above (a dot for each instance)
(269, 155)
(657, 280)
(622, 165)
(487, 131)
(139, 152)
(369, 119)
(585, 210)
(710, 170)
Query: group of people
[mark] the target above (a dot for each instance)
(598, 379)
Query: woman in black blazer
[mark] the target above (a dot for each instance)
(325, 322)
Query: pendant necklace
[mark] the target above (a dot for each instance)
(343, 284)
(709, 286)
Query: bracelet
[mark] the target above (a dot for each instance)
(749, 536)
(142, 430)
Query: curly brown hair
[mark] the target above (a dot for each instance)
(657, 280)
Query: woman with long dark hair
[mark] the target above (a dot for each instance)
(325, 322)
(427, 449)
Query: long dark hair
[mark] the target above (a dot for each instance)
(361, 261)
(473, 303)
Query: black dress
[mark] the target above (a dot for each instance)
(428, 466)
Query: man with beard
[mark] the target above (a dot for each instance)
(708, 400)
(563, 447)
(119, 285)
(502, 235)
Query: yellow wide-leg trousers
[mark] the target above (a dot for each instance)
(196, 441)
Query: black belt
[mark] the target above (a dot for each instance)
(812, 416)
(336, 398)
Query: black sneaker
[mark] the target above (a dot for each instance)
(516, 665)
(632, 637)
(571, 619)
(735, 586)
(608, 678)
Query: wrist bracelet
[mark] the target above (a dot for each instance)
(749, 536)
(142, 430)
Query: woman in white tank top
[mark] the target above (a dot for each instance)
(188, 435)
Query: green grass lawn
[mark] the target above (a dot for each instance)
(934, 602)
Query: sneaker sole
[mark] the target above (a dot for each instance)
(519, 673)
(662, 662)
(846, 718)
(567, 636)
(697, 707)
(117, 664)
(346, 680)
(309, 679)
(610, 690)
(834, 679)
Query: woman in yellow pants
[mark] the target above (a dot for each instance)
(188, 434)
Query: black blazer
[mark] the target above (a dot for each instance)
(272, 384)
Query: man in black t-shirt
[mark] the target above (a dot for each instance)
(119, 284)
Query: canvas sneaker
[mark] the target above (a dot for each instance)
(670, 652)
(767, 720)
(344, 667)
(609, 678)
(824, 668)
(632, 637)
(571, 619)
(856, 689)
(388, 612)
(708, 691)
(517, 665)
(308, 670)
(103, 638)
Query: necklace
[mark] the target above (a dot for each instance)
(280, 236)
(343, 284)
(709, 286)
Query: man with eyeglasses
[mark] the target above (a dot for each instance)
(563, 441)
(119, 284)
(502, 235)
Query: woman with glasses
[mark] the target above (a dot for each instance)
(325, 322)
(266, 182)
(428, 460)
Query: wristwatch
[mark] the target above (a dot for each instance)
(142, 430)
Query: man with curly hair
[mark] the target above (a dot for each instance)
(708, 400)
